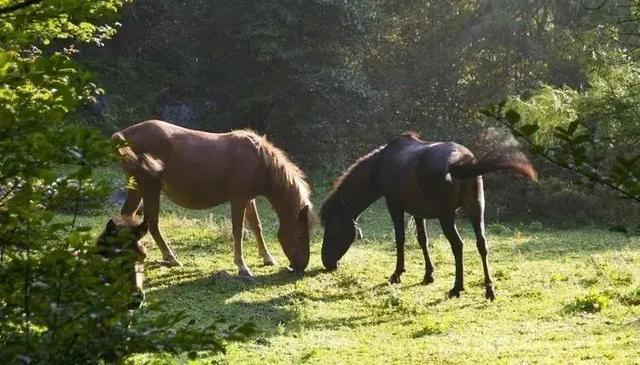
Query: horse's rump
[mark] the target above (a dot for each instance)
(136, 164)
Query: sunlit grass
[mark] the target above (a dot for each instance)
(352, 316)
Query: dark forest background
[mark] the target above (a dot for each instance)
(328, 81)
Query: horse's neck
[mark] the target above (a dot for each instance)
(281, 206)
(358, 196)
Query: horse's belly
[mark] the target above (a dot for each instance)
(194, 198)
(434, 203)
(425, 210)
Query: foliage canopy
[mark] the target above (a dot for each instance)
(55, 306)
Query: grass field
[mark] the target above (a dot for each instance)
(546, 280)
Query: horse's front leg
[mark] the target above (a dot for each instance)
(423, 241)
(397, 215)
(237, 220)
(151, 197)
(448, 225)
(251, 212)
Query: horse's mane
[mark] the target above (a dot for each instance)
(362, 166)
(411, 134)
(284, 175)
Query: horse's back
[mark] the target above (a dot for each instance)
(414, 173)
(201, 169)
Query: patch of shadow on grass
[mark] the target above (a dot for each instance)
(206, 298)
(169, 275)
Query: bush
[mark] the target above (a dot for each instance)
(54, 305)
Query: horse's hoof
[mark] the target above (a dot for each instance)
(490, 294)
(455, 293)
(427, 280)
(245, 273)
(295, 272)
(394, 279)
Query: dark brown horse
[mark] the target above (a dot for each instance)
(426, 180)
(200, 170)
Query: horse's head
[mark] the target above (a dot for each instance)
(294, 236)
(339, 234)
(121, 241)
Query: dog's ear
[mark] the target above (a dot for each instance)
(111, 227)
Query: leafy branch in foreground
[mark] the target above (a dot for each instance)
(55, 304)
(576, 148)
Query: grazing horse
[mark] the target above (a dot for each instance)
(121, 240)
(426, 180)
(199, 170)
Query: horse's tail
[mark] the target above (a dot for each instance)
(134, 163)
(515, 161)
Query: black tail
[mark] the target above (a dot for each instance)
(517, 162)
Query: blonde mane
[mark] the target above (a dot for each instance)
(285, 177)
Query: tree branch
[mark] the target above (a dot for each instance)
(558, 163)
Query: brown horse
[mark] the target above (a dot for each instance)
(426, 180)
(200, 170)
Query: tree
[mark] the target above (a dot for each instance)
(53, 307)
(594, 133)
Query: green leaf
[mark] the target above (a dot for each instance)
(4, 58)
(581, 138)
(512, 116)
(529, 129)
(573, 126)
(562, 136)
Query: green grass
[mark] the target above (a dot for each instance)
(545, 281)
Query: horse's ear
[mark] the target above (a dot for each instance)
(304, 213)
(142, 229)
(111, 226)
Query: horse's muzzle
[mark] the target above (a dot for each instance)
(299, 263)
(330, 264)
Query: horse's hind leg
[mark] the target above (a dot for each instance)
(151, 197)
(251, 213)
(237, 220)
(397, 215)
(473, 205)
(481, 243)
(423, 241)
(450, 231)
